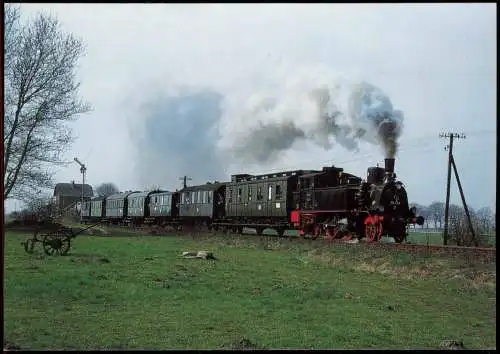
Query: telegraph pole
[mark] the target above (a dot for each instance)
(184, 180)
(449, 147)
(83, 170)
(471, 228)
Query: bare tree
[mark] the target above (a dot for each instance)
(486, 217)
(106, 189)
(40, 205)
(460, 231)
(436, 213)
(41, 97)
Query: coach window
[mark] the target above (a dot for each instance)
(209, 198)
(250, 193)
(278, 192)
(270, 192)
(259, 193)
(230, 197)
(199, 197)
(239, 194)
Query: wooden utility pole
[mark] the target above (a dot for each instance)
(451, 163)
(184, 180)
(471, 229)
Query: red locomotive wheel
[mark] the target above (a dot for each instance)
(373, 229)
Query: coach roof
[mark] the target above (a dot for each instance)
(138, 195)
(96, 199)
(203, 187)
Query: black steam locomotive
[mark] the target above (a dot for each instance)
(327, 202)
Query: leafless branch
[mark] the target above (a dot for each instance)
(41, 97)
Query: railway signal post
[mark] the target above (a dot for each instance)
(83, 170)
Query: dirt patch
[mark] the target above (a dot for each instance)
(402, 267)
(452, 344)
(10, 346)
(94, 231)
(242, 344)
(162, 282)
(83, 258)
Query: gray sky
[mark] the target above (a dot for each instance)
(175, 86)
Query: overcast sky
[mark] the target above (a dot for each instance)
(174, 86)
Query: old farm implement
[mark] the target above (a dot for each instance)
(55, 238)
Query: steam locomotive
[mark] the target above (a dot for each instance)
(327, 202)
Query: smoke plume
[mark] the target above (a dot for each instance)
(257, 128)
(370, 104)
(202, 133)
(178, 138)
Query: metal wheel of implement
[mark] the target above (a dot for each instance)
(56, 244)
(29, 245)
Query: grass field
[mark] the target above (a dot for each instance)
(137, 292)
(435, 238)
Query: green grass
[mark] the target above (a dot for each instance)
(437, 238)
(137, 292)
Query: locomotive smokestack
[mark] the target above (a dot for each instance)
(389, 165)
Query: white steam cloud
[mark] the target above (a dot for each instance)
(203, 133)
(313, 105)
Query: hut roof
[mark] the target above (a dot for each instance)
(73, 190)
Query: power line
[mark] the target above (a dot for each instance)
(451, 163)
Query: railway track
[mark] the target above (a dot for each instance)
(469, 254)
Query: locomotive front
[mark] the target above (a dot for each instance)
(389, 210)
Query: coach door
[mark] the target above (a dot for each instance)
(306, 189)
